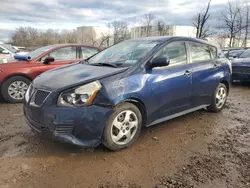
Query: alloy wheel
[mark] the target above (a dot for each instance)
(17, 90)
(221, 97)
(124, 127)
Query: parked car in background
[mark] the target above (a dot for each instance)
(6, 52)
(16, 76)
(232, 53)
(21, 50)
(241, 67)
(136, 83)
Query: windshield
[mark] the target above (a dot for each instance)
(235, 53)
(245, 54)
(40, 51)
(9, 47)
(124, 54)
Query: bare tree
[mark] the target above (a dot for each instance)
(67, 36)
(32, 37)
(162, 28)
(247, 20)
(20, 36)
(232, 21)
(147, 22)
(119, 30)
(200, 22)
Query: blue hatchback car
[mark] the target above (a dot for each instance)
(137, 83)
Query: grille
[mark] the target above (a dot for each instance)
(67, 129)
(40, 97)
(242, 70)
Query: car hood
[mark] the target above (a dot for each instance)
(14, 64)
(73, 75)
(241, 62)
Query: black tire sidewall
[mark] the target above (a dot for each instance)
(5, 85)
(107, 140)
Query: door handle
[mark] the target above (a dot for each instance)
(187, 73)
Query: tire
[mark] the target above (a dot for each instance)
(214, 107)
(22, 84)
(111, 132)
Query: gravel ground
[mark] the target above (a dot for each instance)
(197, 150)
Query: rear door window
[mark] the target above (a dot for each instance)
(87, 52)
(199, 52)
(67, 53)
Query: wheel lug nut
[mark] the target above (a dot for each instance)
(127, 128)
(123, 131)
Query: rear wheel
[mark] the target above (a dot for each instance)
(123, 127)
(13, 89)
(219, 99)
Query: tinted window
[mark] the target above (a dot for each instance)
(88, 52)
(175, 51)
(66, 53)
(199, 52)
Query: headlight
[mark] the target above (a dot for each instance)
(27, 94)
(80, 96)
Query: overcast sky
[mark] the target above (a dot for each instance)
(68, 14)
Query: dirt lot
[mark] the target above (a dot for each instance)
(197, 150)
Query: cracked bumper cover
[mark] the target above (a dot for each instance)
(79, 126)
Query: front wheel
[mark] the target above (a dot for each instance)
(123, 127)
(13, 89)
(219, 98)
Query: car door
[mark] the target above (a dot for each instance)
(205, 69)
(63, 56)
(171, 85)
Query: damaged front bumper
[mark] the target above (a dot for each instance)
(79, 126)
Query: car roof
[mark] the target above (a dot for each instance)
(70, 44)
(163, 39)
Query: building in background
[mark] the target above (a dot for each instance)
(223, 42)
(166, 30)
(94, 35)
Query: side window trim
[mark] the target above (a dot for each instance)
(216, 52)
(189, 58)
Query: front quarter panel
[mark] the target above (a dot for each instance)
(120, 87)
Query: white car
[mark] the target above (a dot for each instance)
(7, 52)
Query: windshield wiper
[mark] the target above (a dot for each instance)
(84, 62)
(104, 64)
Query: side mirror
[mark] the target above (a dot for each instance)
(5, 52)
(159, 62)
(48, 60)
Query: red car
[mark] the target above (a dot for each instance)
(15, 76)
